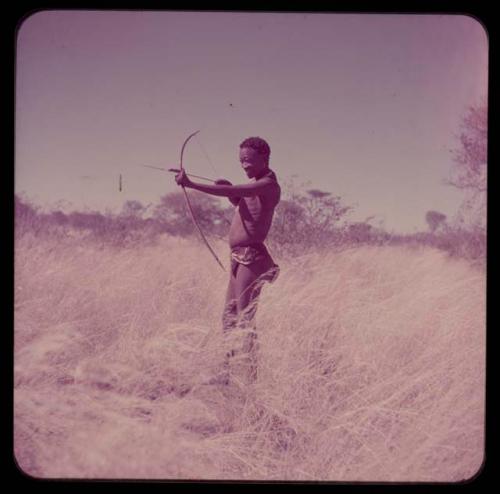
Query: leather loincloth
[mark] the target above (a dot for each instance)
(250, 254)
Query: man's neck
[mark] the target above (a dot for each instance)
(265, 171)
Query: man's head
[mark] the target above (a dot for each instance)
(254, 156)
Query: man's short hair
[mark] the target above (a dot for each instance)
(259, 144)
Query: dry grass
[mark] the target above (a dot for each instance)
(372, 366)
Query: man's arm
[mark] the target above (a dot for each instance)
(233, 200)
(260, 187)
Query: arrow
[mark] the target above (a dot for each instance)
(176, 170)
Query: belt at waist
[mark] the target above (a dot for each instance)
(246, 254)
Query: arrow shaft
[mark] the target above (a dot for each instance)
(176, 170)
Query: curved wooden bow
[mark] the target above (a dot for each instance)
(181, 166)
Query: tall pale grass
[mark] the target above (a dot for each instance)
(371, 366)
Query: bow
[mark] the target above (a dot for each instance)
(191, 209)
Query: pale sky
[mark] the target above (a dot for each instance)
(365, 106)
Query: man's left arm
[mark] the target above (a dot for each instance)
(259, 187)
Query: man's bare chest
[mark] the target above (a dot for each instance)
(252, 208)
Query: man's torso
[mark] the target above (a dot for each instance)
(253, 216)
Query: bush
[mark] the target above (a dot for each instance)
(303, 222)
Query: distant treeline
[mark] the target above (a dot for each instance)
(304, 221)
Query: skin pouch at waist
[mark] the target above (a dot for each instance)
(248, 254)
(252, 253)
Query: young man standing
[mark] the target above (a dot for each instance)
(251, 263)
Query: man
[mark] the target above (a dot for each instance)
(251, 263)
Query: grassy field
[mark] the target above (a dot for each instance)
(371, 365)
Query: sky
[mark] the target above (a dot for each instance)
(365, 106)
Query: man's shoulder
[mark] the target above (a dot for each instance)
(270, 176)
(270, 173)
(274, 192)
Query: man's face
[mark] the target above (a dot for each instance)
(252, 162)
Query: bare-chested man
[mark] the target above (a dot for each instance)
(251, 263)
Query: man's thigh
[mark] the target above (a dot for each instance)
(248, 283)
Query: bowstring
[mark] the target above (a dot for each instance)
(200, 145)
(203, 150)
(196, 138)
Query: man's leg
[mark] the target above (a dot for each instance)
(229, 322)
(248, 284)
(230, 311)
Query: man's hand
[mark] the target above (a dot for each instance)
(182, 179)
(222, 181)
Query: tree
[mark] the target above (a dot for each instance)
(306, 220)
(26, 216)
(133, 208)
(434, 219)
(172, 213)
(359, 231)
(470, 165)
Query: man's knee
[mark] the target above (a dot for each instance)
(249, 344)
(229, 315)
(246, 313)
